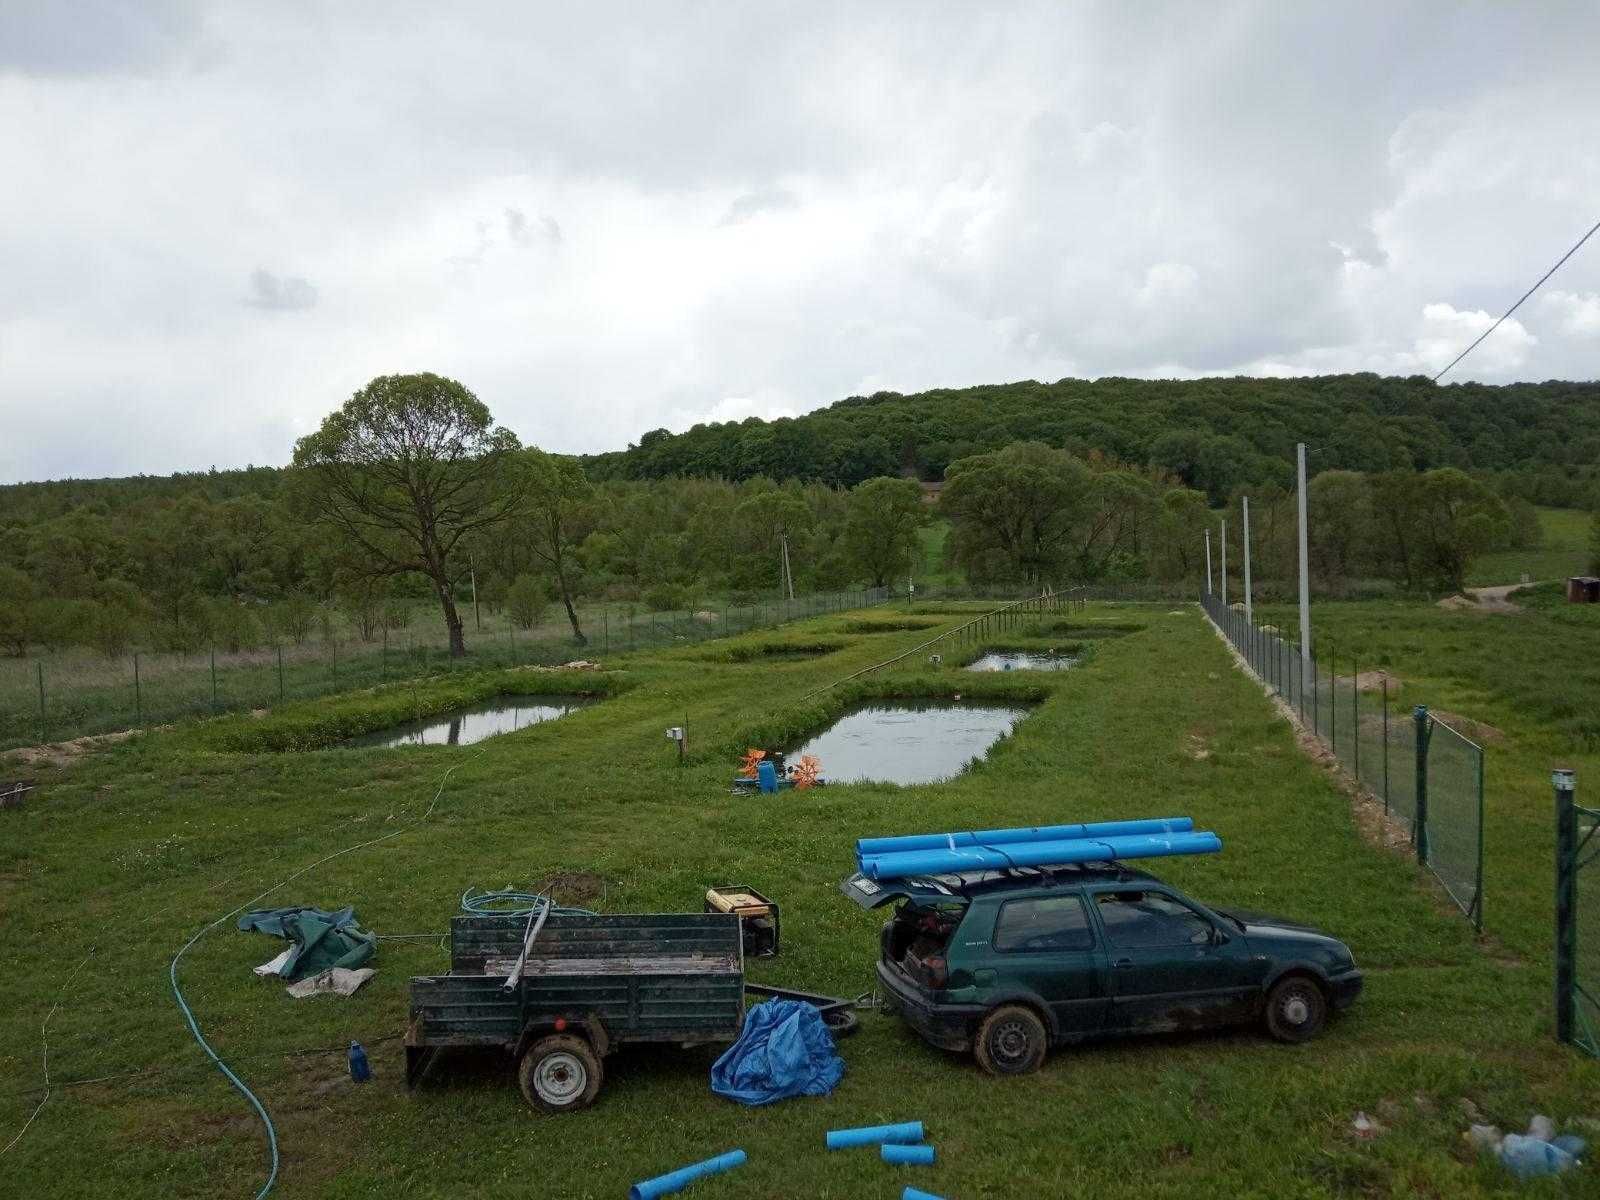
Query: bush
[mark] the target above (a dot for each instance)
(667, 597)
(233, 627)
(527, 601)
(293, 616)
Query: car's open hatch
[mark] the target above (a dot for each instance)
(920, 889)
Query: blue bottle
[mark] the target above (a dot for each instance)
(767, 776)
(360, 1071)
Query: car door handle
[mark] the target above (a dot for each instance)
(1123, 964)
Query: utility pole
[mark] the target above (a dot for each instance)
(788, 572)
(1305, 570)
(1224, 562)
(477, 613)
(1208, 562)
(1247, 619)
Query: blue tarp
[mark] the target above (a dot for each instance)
(784, 1050)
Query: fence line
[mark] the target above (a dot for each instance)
(1428, 775)
(42, 702)
(1577, 918)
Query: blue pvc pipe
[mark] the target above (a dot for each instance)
(1039, 854)
(912, 1193)
(921, 1156)
(874, 847)
(673, 1181)
(872, 1135)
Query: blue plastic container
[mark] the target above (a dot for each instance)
(672, 1181)
(360, 1069)
(874, 847)
(921, 1156)
(873, 1135)
(766, 776)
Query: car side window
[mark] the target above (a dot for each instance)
(1134, 920)
(1046, 923)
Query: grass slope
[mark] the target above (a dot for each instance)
(1564, 551)
(134, 849)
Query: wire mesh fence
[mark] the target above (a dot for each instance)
(1428, 776)
(73, 694)
(1577, 918)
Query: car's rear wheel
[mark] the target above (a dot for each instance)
(1296, 1009)
(560, 1074)
(1011, 1040)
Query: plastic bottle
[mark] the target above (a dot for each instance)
(360, 1069)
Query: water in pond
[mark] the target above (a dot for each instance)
(909, 742)
(467, 725)
(998, 660)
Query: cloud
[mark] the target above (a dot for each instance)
(1578, 314)
(604, 227)
(280, 293)
(753, 204)
(524, 233)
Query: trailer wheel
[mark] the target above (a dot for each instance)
(841, 1022)
(560, 1074)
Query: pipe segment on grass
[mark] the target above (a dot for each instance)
(873, 1135)
(878, 846)
(912, 1193)
(672, 1181)
(1038, 854)
(921, 1156)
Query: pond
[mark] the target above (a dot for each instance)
(1023, 660)
(503, 714)
(909, 741)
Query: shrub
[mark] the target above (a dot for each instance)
(527, 601)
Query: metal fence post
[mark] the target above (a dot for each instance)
(44, 722)
(213, 679)
(1566, 901)
(1477, 895)
(138, 693)
(1333, 703)
(280, 673)
(1386, 745)
(1355, 714)
(1419, 824)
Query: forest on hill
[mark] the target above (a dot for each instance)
(1117, 480)
(1540, 441)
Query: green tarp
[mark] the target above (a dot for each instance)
(320, 939)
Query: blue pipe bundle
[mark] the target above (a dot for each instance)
(1037, 854)
(673, 1181)
(875, 847)
(872, 1135)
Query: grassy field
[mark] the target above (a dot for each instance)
(132, 850)
(1565, 551)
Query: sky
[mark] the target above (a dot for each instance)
(219, 220)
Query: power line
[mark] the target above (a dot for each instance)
(1525, 295)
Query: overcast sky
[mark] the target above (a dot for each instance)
(219, 220)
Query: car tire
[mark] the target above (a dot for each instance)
(1296, 1009)
(560, 1074)
(1011, 1040)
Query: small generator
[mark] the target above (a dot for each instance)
(758, 916)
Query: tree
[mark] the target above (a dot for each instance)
(1338, 522)
(880, 530)
(17, 593)
(767, 521)
(556, 490)
(409, 466)
(1014, 511)
(1457, 518)
(526, 601)
(1594, 543)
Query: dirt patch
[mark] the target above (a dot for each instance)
(579, 888)
(1375, 681)
(1479, 731)
(1196, 747)
(1459, 603)
(61, 754)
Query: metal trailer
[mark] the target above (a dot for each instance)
(589, 984)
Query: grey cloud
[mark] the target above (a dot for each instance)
(57, 37)
(280, 293)
(523, 233)
(752, 204)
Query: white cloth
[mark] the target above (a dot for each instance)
(341, 981)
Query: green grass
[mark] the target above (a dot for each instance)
(134, 848)
(1564, 552)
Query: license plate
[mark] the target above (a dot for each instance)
(865, 886)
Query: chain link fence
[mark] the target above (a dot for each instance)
(78, 693)
(1428, 776)
(1577, 918)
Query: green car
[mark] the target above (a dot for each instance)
(1008, 963)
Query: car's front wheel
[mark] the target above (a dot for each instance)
(1012, 1040)
(1296, 1009)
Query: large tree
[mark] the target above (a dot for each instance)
(1015, 512)
(409, 466)
(557, 494)
(880, 529)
